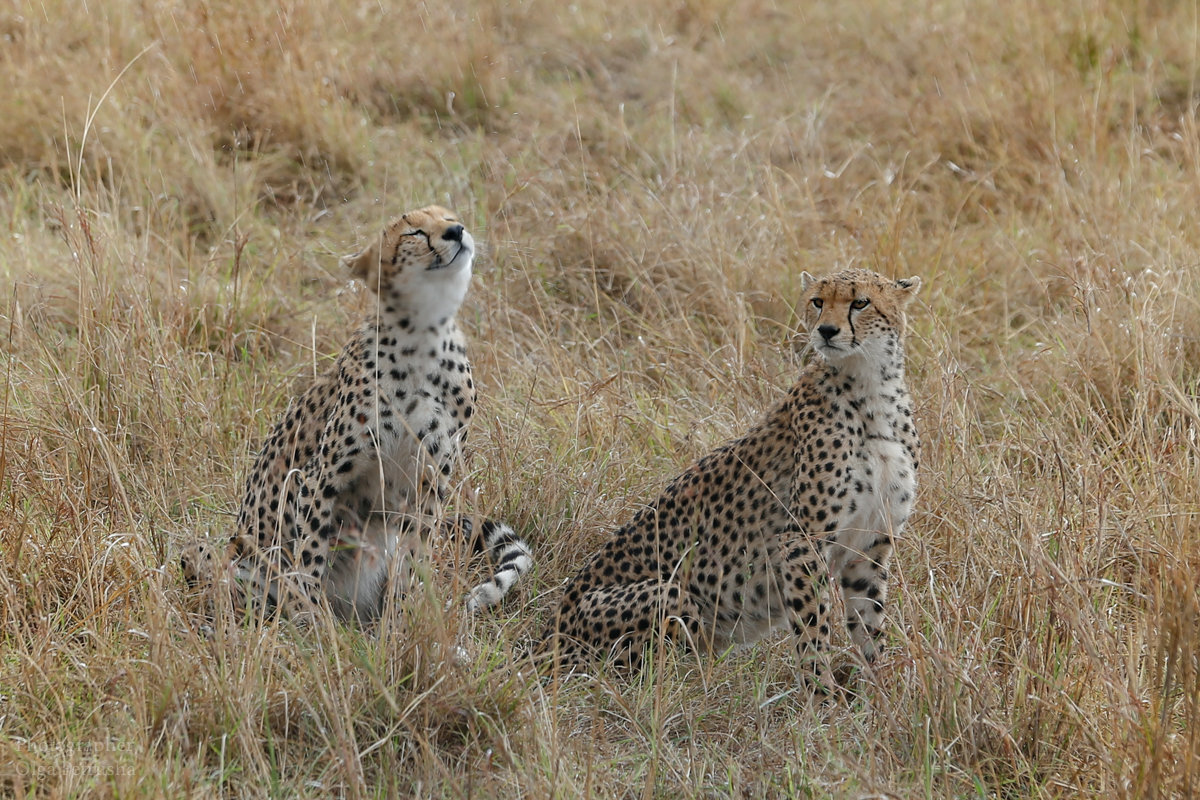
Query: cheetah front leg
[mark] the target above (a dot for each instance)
(864, 587)
(805, 590)
(322, 510)
(302, 587)
(207, 571)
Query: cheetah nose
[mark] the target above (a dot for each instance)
(828, 331)
(453, 234)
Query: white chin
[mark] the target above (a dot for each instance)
(837, 353)
(461, 260)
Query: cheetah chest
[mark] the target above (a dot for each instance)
(416, 423)
(882, 488)
(890, 480)
(419, 442)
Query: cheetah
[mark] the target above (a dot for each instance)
(351, 481)
(748, 538)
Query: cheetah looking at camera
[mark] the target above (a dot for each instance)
(747, 539)
(351, 481)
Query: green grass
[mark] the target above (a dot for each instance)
(177, 182)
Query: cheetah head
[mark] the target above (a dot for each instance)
(855, 312)
(423, 258)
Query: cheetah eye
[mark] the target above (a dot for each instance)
(422, 234)
(817, 302)
(860, 304)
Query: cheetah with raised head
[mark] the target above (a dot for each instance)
(747, 539)
(350, 483)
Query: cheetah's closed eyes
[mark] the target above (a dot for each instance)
(351, 481)
(747, 539)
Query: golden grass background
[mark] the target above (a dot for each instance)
(177, 181)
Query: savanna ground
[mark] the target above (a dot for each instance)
(649, 180)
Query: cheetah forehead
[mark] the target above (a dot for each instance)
(851, 284)
(436, 217)
(430, 220)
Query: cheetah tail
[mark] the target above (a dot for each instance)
(510, 557)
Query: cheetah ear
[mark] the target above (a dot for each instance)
(364, 265)
(908, 287)
(806, 280)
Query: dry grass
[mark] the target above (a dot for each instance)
(650, 179)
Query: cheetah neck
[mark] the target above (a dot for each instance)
(429, 301)
(873, 386)
(408, 339)
(870, 373)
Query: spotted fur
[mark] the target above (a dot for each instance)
(748, 538)
(350, 484)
